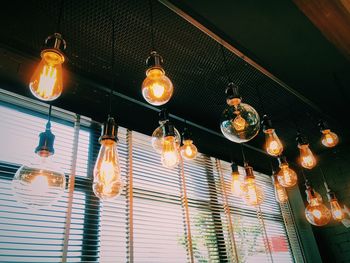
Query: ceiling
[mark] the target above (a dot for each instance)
(275, 34)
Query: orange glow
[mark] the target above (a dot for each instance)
(336, 210)
(286, 176)
(316, 212)
(329, 139)
(46, 82)
(236, 185)
(307, 159)
(170, 155)
(273, 144)
(157, 88)
(188, 150)
(280, 192)
(107, 178)
(239, 123)
(253, 194)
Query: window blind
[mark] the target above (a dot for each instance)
(148, 222)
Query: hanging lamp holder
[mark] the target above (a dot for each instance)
(301, 139)
(234, 167)
(266, 123)
(232, 94)
(163, 116)
(186, 134)
(55, 42)
(154, 61)
(331, 195)
(168, 129)
(323, 125)
(249, 172)
(46, 141)
(109, 130)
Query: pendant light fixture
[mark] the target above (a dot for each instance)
(239, 121)
(253, 194)
(316, 212)
(188, 149)
(41, 182)
(107, 182)
(281, 195)
(273, 145)
(236, 183)
(158, 135)
(286, 176)
(329, 138)
(336, 210)
(46, 83)
(157, 88)
(170, 156)
(307, 158)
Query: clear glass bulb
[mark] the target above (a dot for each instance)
(317, 213)
(273, 144)
(329, 139)
(188, 150)
(240, 123)
(40, 183)
(46, 82)
(280, 192)
(307, 159)
(158, 138)
(170, 154)
(336, 210)
(157, 88)
(236, 185)
(286, 176)
(253, 194)
(108, 182)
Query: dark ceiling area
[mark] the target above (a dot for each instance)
(275, 34)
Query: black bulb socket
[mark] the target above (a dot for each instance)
(54, 43)
(168, 129)
(232, 94)
(154, 60)
(234, 168)
(301, 139)
(322, 125)
(266, 123)
(331, 196)
(46, 141)
(186, 134)
(163, 115)
(109, 130)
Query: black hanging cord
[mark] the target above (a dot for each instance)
(243, 155)
(151, 23)
(225, 63)
(302, 172)
(59, 19)
(272, 168)
(113, 43)
(48, 124)
(261, 102)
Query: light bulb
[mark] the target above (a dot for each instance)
(108, 182)
(273, 144)
(188, 150)
(41, 182)
(158, 134)
(157, 88)
(329, 139)
(316, 212)
(170, 154)
(280, 192)
(46, 83)
(252, 194)
(336, 210)
(239, 121)
(307, 159)
(236, 185)
(286, 176)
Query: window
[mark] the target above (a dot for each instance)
(150, 221)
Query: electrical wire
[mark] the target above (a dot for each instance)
(113, 43)
(152, 24)
(225, 63)
(243, 155)
(59, 17)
